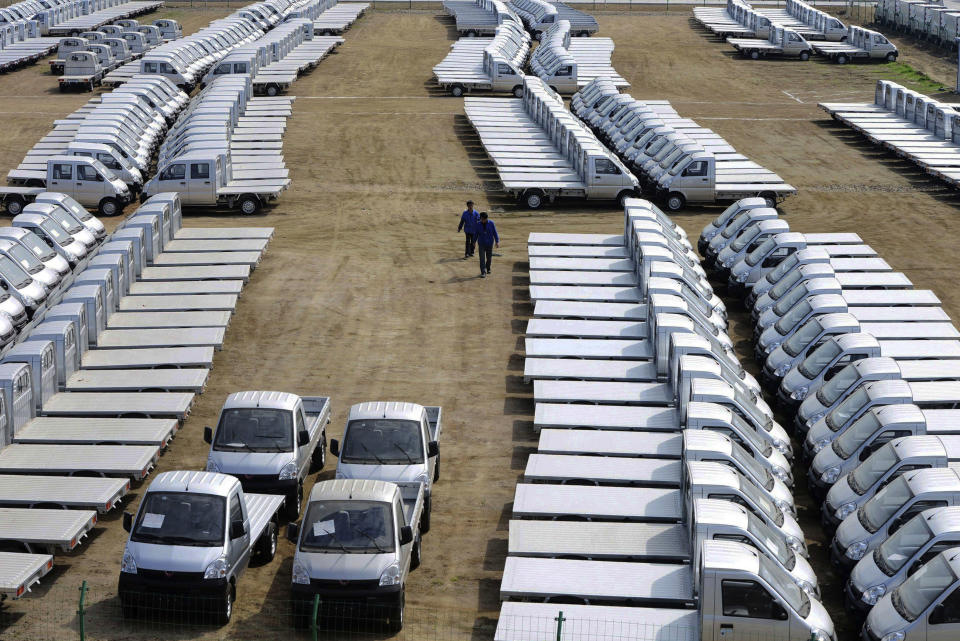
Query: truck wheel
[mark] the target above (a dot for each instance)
(754, 55)
(456, 91)
(583, 34)
(517, 91)
(533, 198)
(320, 454)
(395, 623)
(415, 553)
(841, 59)
(436, 469)
(771, 199)
(623, 195)
(109, 207)
(249, 204)
(272, 90)
(471, 34)
(804, 55)
(224, 608)
(267, 546)
(14, 205)
(294, 501)
(425, 517)
(891, 57)
(675, 201)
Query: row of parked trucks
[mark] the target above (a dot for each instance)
(480, 17)
(867, 366)
(937, 22)
(739, 19)
(659, 497)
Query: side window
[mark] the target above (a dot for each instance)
(174, 172)
(606, 166)
(749, 599)
(47, 360)
(149, 67)
(948, 611)
(912, 511)
(200, 170)
(240, 67)
(565, 70)
(222, 69)
(68, 340)
(401, 521)
(776, 257)
(698, 168)
(236, 514)
(298, 421)
(166, 67)
(87, 173)
(108, 160)
(505, 70)
(62, 172)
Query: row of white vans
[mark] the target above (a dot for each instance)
(922, 129)
(868, 366)
(117, 43)
(936, 21)
(480, 17)
(657, 442)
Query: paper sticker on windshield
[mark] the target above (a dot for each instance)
(323, 527)
(152, 520)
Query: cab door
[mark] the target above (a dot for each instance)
(174, 178)
(696, 182)
(61, 178)
(943, 622)
(749, 611)
(607, 178)
(200, 190)
(238, 549)
(89, 186)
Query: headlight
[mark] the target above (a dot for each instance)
(799, 394)
(128, 565)
(809, 588)
(830, 475)
(783, 448)
(212, 465)
(288, 471)
(846, 510)
(390, 576)
(893, 636)
(856, 551)
(819, 445)
(783, 369)
(873, 594)
(217, 569)
(300, 575)
(819, 635)
(726, 262)
(814, 418)
(785, 507)
(741, 277)
(796, 545)
(782, 474)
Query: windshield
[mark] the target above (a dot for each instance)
(821, 357)
(55, 232)
(785, 284)
(850, 441)
(807, 333)
(254, 429)
(789, 300)
(919, 591)
(885, 504)
(772, 541)
(354, 527)
(38, 247)
(791, 318)
(777, 273)
(735, 225)
(762, 250)
(725, 215)
(181, 518)
(749, 433)
(14, 273)
(25, 258)
(383, 441)
(839, 415)
(745, 238)
(761, 500)
(836, 386)
(785, 586)
(752, 467)
(902, 545)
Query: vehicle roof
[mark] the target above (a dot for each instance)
(11, 370)
(701, 473)
(708, 411)
(899, 413)
(889, 387)
(876, 365)
(943, 520)
(270, 400)
(856, 341)
(357, 489)
(716, 511)
(194, 482)
(34, 347)
(707, 440)
(386, 409)
(725, 555)
(933, 480)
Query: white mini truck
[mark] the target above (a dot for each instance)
(193, 538)
(358, 542)
(271, 441)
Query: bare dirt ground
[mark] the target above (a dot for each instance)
(363, 294)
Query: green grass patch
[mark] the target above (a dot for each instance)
(911, 78)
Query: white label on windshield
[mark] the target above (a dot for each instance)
(323, 527)
(152, 520)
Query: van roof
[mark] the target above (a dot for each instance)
(357, 489)
(933, 480)
(194, 482)
(716, 511)
(386, 409)
(262, 399)
(726, 555)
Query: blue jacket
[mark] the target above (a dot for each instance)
(486, 235)
(469, 221)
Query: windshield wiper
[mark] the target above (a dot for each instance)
(238, 446)
(183, 540)
(367, 450)
(409, 458)
(372, 540)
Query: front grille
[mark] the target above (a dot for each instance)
(170, 576)
(370, 584)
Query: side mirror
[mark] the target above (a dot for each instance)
(293, 532)
(779, 612)
(433, 448)
(208, 434)
(127, 521)
(406, 534)
(303, 437)
(237, 530)
(335, 447)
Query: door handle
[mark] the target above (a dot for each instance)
(183, 183)
(206, 182)
(726, 626)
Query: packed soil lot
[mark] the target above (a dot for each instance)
(363, 293)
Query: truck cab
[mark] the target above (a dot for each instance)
(358, 541)
(89, 182)
(823, 432)
(713, 447)
(398, 442)
(68, 247)
(748, 240)
(802, 256)
(840, 385)
(732, 229)
(64, 49)
(169, 29)
(111, 159)
(762, 259)
(40, 249)
(30, 263)
(82, 70)
(718, 224)
(104, 55)
(748, 405)
(271, 441)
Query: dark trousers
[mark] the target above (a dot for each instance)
(486, 255)
(470, 241)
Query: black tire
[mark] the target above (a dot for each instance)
(891, 57)
(471, 34)
(223, 611)
(804, 55)
(754, 55)
(770, 198)
(841, 59)
(675, 201)
(533, 198)
(272, 90)
(583, 34)
(292, 507)
(427, 512)
(319, 459)
(415, 553)
(623, 195)
(436, 469)
(267, 545)
(249, 204)
(14, 205)
(457, 90)
(109, 206)
(517, 91)
(395, 617)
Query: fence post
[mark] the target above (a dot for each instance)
(81, 610)
(559, 619)
(313, 619)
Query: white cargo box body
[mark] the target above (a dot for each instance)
(214, 245)
(149, 358)
(223, 233)
(120, 404)
(579, 251)
(603, 470)
(588, 369)
(590, 311)
(65, 430)
(606, 417)
(134, 461)
(656, 445)
(138, 380)
(187, 259)
(603, 392)
(19, 572)
(75, 492)
(46, 529)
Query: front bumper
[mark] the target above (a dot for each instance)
(828, 518)
(332, 593)
(853, 603)
(840, 560)
(817, 487)
(141, 587)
